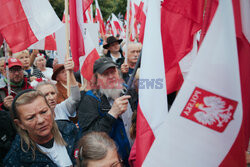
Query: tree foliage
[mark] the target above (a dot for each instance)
(112, 6)
(107, 7)
(58, 6)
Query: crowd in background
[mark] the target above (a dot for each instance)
(95, 124)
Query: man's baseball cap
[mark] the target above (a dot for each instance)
(103, 64)
(13, 62)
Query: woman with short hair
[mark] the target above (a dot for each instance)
(66, 108)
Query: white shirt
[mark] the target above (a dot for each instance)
(58, 154)
(48, 73)
(114, 58)
(67, 108)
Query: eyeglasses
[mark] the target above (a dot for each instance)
(13, 70)
(117, 164)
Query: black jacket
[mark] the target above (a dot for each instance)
(119, 61)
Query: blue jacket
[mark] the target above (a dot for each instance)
(16, 157)
(93, 116)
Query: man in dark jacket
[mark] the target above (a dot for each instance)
(104, 109)
(114, 50)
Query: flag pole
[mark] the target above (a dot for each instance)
(7, 66)
(132, 77)
(67, 42)
(207, 15)
(127, 31)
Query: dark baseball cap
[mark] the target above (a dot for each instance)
(103, 64)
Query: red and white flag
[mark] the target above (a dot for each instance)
(88, 16)
(243, 42)
(206, 117)
(87, 52)
(117, 26)
(177, 40)
(24, 22)
(153, 107)
(99, 19)
(140, 19)
(48, 43)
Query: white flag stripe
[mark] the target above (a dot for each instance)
(41, 17)
(153, 101)
(183, 142)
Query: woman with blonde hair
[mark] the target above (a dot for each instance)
(41, 141)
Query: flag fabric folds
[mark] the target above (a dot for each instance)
(48, 43)
(206, 117)
(24, 22)
(152, 108)
(81, 42)
(180, 20)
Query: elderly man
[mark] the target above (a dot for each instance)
(40, 141)
(114, 50)
(127, 69)
(17, 82)
(104, 109)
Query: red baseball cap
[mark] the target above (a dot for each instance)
(13, 62)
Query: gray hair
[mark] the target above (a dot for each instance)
(94, 146)
(43, 83)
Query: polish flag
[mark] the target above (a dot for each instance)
(153, 107)
(177, 40)
(48, 43)
(140, 19)
(99, 19)
(22, 24)
(89, 54)
(116, 25)
(88, 15)
(206, 117)
(242, 13)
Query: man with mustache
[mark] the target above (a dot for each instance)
(104, 109)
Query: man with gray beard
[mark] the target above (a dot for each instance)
(105, 109)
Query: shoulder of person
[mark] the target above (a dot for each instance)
(66, 127)
(14, 153)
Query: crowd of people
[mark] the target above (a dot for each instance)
(41, 125)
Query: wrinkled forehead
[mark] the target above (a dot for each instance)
(133, 47)
(37, 104)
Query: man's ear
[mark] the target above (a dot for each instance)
(19, 123)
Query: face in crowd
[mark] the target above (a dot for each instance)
(37, 119)
(24, 57)
(109, 79)
(50, 94)
(114, 47)
(41, 63)
(133, 53)
(16, 74)
(62, 76)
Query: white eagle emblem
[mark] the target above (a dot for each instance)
(214, 111)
